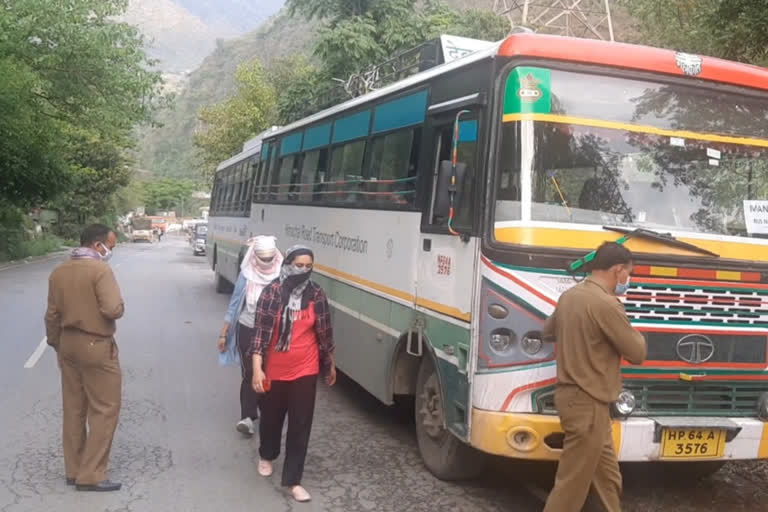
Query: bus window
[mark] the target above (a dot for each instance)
(508, 205)
(346, 171)
(312, 171)
(467, 154)
(287, 177)
(393, 164)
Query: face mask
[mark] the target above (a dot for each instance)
(621, 289)
(107, 255)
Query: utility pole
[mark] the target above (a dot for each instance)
(575, 18)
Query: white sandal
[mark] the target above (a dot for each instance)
(300, 494)
(265, 468)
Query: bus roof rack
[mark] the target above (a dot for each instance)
(407, 63)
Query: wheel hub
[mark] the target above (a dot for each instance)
(431, 410)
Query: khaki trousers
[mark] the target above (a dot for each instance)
(588, 461)
(91, 384)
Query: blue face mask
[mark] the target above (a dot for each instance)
(621, 289)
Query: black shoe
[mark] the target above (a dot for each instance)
(70, 481)
(105, 486)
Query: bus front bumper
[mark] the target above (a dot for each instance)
(539, 437)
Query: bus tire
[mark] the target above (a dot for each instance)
(444, 455)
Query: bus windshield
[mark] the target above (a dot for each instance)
(613, 151)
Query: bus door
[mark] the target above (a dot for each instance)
(448, 259)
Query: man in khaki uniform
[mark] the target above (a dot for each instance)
(84, 302)
(593, 333)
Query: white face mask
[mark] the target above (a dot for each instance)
(107, 253)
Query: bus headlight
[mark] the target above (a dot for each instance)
(502, 341)
(531, 344)
(762, 406)
(625, 403)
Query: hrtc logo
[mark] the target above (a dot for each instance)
(695, 349)
(529, 89)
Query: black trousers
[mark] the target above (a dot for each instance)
(296, 399)
(249, 399)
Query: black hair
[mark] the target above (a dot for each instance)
(94, 233)
(301, 251)
(610, 254)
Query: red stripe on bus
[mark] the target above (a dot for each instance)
(527, 387)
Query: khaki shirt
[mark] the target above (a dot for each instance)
(83, 295)
(593, 333)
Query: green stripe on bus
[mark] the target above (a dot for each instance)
(707, 371)
(390, 313)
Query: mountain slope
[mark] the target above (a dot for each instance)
(182, 32)
(241, 15)
(169, 150)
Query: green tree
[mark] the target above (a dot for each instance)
(228, 124)
(75, 82)
(166, 195)
(731, 29)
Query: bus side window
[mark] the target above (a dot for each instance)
(346, 172)
(393, 166)
(467, 155)
(312, 172)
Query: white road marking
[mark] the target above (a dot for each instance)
(37, 354)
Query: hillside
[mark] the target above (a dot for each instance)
(181, 33)
(169, 150)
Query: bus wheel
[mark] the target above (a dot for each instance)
(446, 456)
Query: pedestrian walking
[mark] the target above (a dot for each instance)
(293, 344)
(593, 333)
(261, 266)
(84, 303)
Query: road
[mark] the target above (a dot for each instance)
(176, 448)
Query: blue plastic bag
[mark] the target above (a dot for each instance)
(230, 356)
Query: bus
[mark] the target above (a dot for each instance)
(449, 211)
(229, 214)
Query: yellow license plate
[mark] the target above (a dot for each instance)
(692, 443)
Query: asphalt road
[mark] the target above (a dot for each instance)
(176, 447)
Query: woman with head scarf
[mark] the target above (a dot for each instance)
(261, 265)
(292, 345)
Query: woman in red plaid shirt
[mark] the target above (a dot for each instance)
(293, 343)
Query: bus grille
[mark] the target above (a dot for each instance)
(696, 304)
(667, 398)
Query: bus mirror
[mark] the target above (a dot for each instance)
(444, 188)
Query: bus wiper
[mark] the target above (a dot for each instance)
(648, 234)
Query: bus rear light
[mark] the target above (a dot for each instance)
(502, 341)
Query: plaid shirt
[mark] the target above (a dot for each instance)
(268, 310)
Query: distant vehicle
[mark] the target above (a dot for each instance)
(141, 230)
(159, 226)
(199, 238)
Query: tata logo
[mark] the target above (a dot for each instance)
(695, 349)
(689, 64)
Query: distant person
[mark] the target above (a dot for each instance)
(293, 344)
(592, 333)
(260, 267)
(84, 303)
